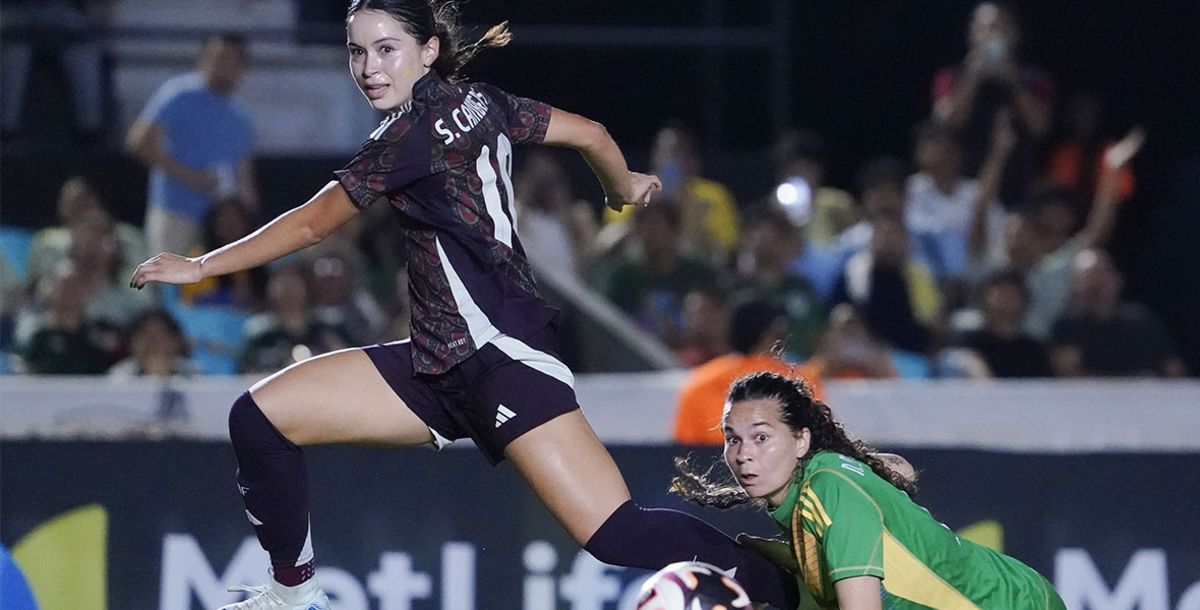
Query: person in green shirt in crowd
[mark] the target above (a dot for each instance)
(855, 538)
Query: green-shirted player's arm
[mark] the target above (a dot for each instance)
(848, 522)
(859, 593)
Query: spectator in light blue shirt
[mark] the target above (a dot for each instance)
(197, 142)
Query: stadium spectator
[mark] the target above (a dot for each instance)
(848, 351)
(287, 332)
(225, 223)
(991, 77)
(102, 269)
(556, 228)
(67, 342)
(881, 194)
(383, 259)
(705, 327)
(197, 142)
(157, 348)
(896, 296)
(1037, 253)
(339, 302)
(1103, 336)
(94, 257)
(756, 330)
(710, 225)
(1077, 160)
(650, 281)
(770, 244)
(1002, 342)
(941, 200)
(52, 245)
(65, 27)
(12, 297)
(1054, 214)
(826, 211)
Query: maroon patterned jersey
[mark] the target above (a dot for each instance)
(444, 163)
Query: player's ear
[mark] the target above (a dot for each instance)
(430, 50)
(803, 442)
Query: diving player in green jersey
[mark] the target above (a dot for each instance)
(856, 540)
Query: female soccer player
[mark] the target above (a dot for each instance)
(482, 358)
(857, 541)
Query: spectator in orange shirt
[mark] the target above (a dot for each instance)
(756, 330)
(1076, 162)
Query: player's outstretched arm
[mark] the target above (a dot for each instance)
(295, 229)
(621, 186)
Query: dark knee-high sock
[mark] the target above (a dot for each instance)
(273, 481)
(652, 538)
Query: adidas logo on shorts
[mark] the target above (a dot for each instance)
(503, 414)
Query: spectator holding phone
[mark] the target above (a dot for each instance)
(992, 77)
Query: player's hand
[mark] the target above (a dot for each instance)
(1125, 150)
(166, 268)
(642, 188)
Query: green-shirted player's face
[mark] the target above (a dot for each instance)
(760, 450)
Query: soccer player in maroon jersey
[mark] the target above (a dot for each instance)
(482, 361)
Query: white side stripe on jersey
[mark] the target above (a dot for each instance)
(491, 197)
(504, 157)
(483, 332)
(481, 328)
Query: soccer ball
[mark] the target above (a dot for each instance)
(692, 585)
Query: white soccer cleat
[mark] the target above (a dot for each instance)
(307, 595)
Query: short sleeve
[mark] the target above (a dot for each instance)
(396, 155)
(852, 538)
(165, 105)
(526, 120)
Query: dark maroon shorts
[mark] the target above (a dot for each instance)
(505, 389)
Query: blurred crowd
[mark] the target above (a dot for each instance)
(981, 255)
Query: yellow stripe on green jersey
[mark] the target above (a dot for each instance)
(843, 520)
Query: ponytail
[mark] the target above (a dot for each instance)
(425, 19)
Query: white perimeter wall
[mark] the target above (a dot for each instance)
(1042, 416)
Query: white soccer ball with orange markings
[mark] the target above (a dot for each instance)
(692, 585)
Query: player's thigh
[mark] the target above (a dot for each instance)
(575, 477)
(338, 397)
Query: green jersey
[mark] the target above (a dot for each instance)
(843, 520)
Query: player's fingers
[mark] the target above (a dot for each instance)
(137, 274)
(146, 272)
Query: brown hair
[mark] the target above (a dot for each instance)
(425, 19)
(798, 409)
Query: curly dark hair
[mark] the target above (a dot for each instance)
(425, 19)
(799, 410)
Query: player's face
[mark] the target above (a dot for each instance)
(385, 59)
(760, 449)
